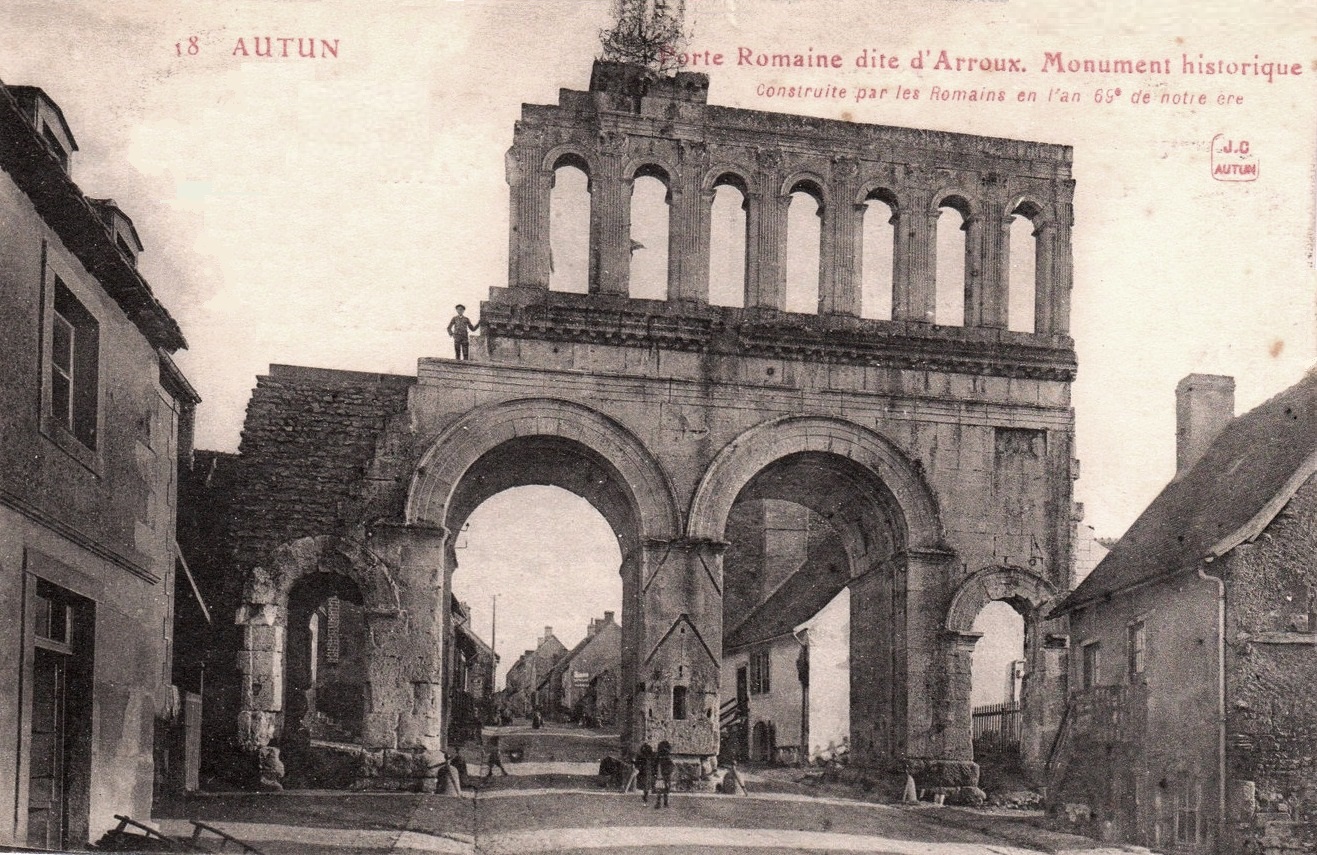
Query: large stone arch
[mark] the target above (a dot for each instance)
(890, 645)
(456, 450)
(743, 457)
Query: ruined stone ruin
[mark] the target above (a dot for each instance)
(941, 456)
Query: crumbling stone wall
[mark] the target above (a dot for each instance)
(308, 442)
(1271, 669)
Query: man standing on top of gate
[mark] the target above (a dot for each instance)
(458, 328)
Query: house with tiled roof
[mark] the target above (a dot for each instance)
(795, 619)
(1191, 722)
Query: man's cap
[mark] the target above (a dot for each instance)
(461, 308)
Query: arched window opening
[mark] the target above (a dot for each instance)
(552, 561)
(1022, 276)
(804, 240)
(728, 224)
(878, 256)
(325, 676)
(998, 681)
(649, 235)
(951, 275)
(569, 226)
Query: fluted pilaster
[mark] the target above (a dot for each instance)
(610, 232)
(528, 233)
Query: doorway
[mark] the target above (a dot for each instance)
(59, 773)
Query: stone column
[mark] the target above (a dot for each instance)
(876, 718)
(406, 710)
(843, 292)
(679, 648)
(1061, 272)
(688, 240)
(260, 665)
(528, 219)
(765, 262)
(916, 293)
(930, 734)
(263, 617)
(954, 715)
(628, 716)
(1043, 696)
(976, 264)
(1044, 237)
(993, 298)
(610, 230)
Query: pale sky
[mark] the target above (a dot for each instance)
(330, 212)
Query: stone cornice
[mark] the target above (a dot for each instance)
(523, 313)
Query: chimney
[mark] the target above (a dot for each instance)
(1204, 403)
(608, 617)
(548, 631)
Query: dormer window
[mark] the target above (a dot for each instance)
(125, 249)
(47, 120)
(120, 227)
(52, 141)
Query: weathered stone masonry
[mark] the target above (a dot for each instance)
(941, 457)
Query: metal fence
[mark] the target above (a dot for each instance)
(997, 726)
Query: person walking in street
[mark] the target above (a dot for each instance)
(459, 328)
(494, 758)
(665, 767)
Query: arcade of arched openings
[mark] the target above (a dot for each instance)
(845, 168)
(938, 458)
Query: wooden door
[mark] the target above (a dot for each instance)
(47, 803)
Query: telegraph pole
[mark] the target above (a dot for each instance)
(493, 638)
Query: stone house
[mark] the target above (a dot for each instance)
(601, 699)
(475, 665)
(599, 651)
(525, 675)
(1191, 724)
(94, 420)
(773, 615)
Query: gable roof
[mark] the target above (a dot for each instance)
(1248, 473)
(799, 598)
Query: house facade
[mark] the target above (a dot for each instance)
(598, 652)
(1191, 720)
(94, 419)
(526, 674)
(787, 619)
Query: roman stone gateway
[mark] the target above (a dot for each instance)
(940, 456)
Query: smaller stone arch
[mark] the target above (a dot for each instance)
(569, 154)
(650, 166)
(956, 198)
(1026, 591)
(880, 189)
(1031, 208)
(807, 181)
(733, 174)
(289, 563)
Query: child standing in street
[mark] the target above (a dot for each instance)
(495, 758)
(644, 764)
(665, 769)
